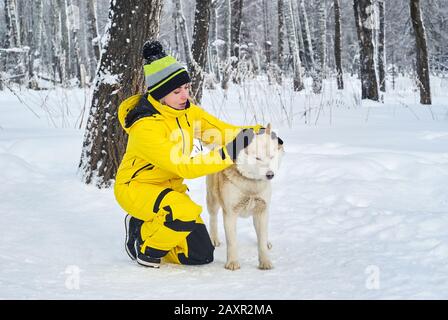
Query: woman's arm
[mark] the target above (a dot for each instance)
(147, 140)
(214, 130)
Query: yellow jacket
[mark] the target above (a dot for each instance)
(161, 141)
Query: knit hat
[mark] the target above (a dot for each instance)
(163, 73)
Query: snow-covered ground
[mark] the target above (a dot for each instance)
(359, 210)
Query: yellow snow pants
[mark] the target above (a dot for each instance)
(172, 228)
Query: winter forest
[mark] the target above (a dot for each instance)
(357, 89)
(61, 43)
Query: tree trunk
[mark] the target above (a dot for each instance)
(56, 41)
(36, 45)
(74, 31)
(183, 31)
(24, 68)
(93, 38)
(319, 74)
(21, 22)
(359, 34)
(12, 38)
(306, 34)
(267, 42)
(226, 52)
(235, 26)
(298, 82)
(337, 43)
(12, 62)
(381, 47)
(323, 38)
(176, 29)
(299, 34)
(235, 32)
(23, 19)
(199, 47)
(119, 76)
(422, 52)
(213, 37)
(281, 34)
(66, 45)
(363, 15)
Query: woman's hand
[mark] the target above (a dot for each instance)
(241, 141)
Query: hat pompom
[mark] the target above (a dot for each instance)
(153, 50)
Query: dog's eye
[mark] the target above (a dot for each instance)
(259, 159)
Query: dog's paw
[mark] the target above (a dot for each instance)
(265, 265)
(269, 245)
(215, 241)
(232, 265)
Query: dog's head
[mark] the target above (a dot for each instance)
(261, 158)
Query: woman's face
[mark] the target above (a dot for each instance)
(177, 98)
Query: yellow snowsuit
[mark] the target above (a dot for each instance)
(149, 182)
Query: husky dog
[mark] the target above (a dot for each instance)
(244, 189)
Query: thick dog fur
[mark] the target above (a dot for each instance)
(244, 190)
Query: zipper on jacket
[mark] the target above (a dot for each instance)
(183, 138)
(148, 166)
(186, 118)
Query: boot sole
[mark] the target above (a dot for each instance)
(144, 263)
(154, 265)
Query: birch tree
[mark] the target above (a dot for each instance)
(213, 39)
(337, 44)
(363, 11)
(319, 73)
(306, 34)
(12, 38)
(119, 76)
(74, 18)
(266, 39)
(93, 38)
(226, 49)
(281, 33)
(381, 47)
(422, 52)
(65, 46)
(57, 64)
(36, 47)
(299, 34)
(183, 31)
(323, 38)
(235, 31)
(292, 39)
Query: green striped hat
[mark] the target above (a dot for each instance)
(163, 73)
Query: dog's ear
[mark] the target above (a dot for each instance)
(268, 129)
(280, 143)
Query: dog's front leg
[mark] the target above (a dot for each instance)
(230, 220)
(261, 227)
(214, 229)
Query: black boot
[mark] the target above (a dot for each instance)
(132, 226)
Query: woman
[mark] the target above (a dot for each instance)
(162, 220)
